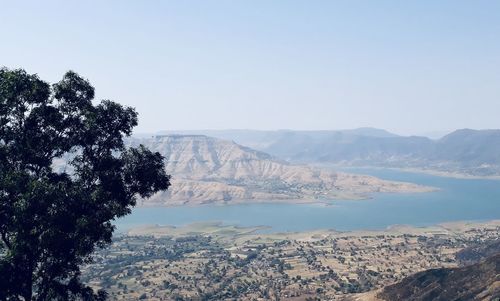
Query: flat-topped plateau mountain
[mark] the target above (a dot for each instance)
(211, 170)
(466, 151)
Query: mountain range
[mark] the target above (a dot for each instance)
(212, 170)
(465, 151)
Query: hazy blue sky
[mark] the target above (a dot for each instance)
(406, 66)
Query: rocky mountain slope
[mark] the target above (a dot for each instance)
(208, 170)
(478, 252)
(480, 281)
(476, 278)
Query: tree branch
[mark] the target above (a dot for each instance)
(5, 241)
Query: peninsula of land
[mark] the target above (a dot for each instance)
(208, 170)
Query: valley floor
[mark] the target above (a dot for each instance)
(215, 262)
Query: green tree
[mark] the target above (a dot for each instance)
(52, 218)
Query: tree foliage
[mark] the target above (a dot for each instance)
(53, 216)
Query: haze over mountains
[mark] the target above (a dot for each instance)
(208, 170)
(469, 152)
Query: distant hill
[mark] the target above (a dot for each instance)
(463, 151)
(472, 152)
(471, 147)
(208, 170)
(261, 140)
(480, 281)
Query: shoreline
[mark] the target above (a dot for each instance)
(303, 201)
(431, 172)
(447, 174)
(218, 228)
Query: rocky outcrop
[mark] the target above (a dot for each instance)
(480, 281)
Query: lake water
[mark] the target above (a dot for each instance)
(457, 200)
